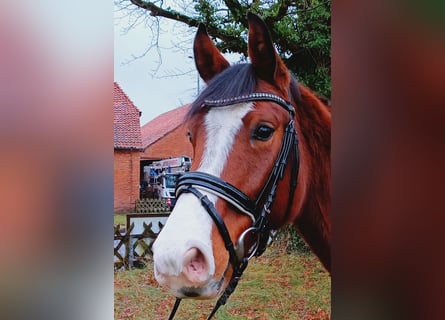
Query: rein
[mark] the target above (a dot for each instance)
(257, 210)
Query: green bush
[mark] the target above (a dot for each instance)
(292, 241)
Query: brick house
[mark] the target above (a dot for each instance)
(127, 151)
(165, 137)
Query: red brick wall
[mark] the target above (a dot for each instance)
(126, 180)
(174, 144)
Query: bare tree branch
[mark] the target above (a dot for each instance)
(156, 11)
(303, 43)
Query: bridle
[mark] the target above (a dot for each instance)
(257, 210)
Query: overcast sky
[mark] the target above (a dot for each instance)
(175, 82)
(159, 93)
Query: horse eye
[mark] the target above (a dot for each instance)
(263, 133)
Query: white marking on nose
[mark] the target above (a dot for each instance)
(186, 228)
(182, 252)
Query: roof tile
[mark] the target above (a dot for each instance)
(160, 126)
(127, 128)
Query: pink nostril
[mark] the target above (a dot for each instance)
(195, 266)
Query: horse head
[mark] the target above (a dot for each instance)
(252, 169)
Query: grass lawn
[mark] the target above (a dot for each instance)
(120, 219)
(276, 285)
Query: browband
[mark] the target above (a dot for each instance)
(256, 96)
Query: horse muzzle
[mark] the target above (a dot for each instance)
(183, 257)
(189, 274)
(193, 281)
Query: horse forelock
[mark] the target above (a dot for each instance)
(239, 80)
(234, 81)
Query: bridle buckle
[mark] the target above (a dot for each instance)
(239, 248)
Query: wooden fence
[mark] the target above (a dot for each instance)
(132, 245)
(152, 206)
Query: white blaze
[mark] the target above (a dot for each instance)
(189, 224)
(222, 124)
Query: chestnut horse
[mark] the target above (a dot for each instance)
(261, 146)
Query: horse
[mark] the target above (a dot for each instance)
(261, 144)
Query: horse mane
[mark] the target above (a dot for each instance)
(314, 119)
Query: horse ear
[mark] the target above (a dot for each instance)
(261, 49)
(209, 61)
